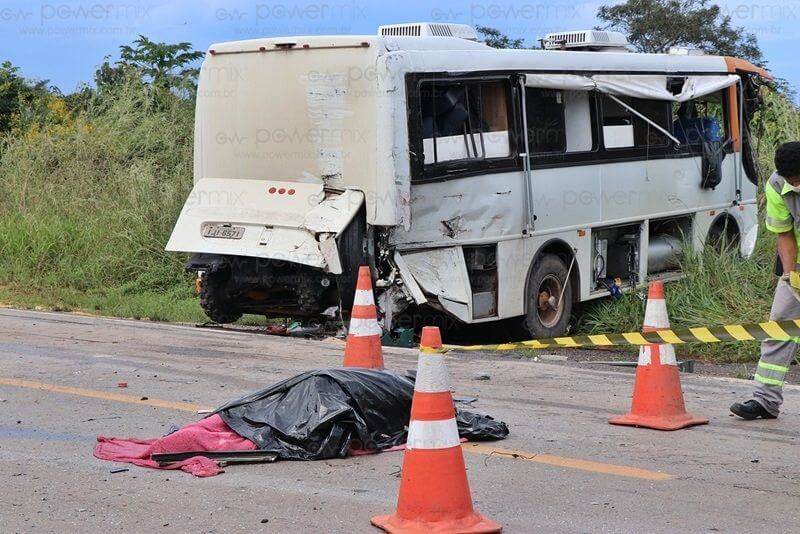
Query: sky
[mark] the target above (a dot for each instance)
(65, 41)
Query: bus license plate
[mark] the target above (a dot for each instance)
(221, 231)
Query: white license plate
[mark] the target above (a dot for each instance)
(223, 231)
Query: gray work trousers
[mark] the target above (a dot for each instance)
(776, 356)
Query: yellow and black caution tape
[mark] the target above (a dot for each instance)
(778, 330)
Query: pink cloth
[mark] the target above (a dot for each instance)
(210, 434)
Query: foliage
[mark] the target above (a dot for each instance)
(90, 204)
(18, 96)
(656, 25)
(169, 67)
(776, 122)
(497, 39)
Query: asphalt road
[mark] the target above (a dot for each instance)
(562, 469)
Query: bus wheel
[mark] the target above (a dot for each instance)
(214, 298)
(549, 299)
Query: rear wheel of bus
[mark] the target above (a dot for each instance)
(549, 298)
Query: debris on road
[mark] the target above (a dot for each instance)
(224, 458)
(276, 329)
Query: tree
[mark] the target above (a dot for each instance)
(656, 25)
(161, 65)
(17, 94)
(496, 39)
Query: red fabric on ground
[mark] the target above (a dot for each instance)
(210, 434)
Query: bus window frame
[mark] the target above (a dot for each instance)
(422, 172)
(696, 149)
(650, 149)
(578, 156)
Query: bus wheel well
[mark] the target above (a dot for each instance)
(565, 252)
(724, 232)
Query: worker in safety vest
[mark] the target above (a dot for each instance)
(783, 218)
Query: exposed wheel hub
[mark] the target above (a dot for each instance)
(548, 307)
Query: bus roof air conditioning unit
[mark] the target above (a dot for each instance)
(429, 29)
(686, 51)
(586, 40)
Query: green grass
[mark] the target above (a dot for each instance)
(113, 303)
(87, 203)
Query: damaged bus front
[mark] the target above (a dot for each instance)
(286, 161)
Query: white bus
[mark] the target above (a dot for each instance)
(483, 184)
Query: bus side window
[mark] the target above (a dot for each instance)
(559, 121)
(701, 120)
(623, 129)
(464, 121)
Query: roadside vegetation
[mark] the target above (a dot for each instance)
(92, 182)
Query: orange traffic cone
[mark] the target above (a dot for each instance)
(657, 395)
(363, 348)
(434, 492)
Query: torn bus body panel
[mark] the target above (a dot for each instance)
(441, 273)
(333, 214)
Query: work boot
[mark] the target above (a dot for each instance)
(751, 410)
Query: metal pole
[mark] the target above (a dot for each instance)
(648, 121)
(526, 164)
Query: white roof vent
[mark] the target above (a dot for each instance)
(686, 51)
(429, 29)
(586, 40)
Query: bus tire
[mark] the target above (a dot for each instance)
(214, 298)
(545, 316)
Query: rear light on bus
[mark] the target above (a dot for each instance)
(281, 191)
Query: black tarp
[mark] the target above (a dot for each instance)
(324, 413)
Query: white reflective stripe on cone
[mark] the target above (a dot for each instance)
(666, 354)
(364, 327)
(432, 434)
(431, 374)
(363, 298)
(655, 314)
(644, 355)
